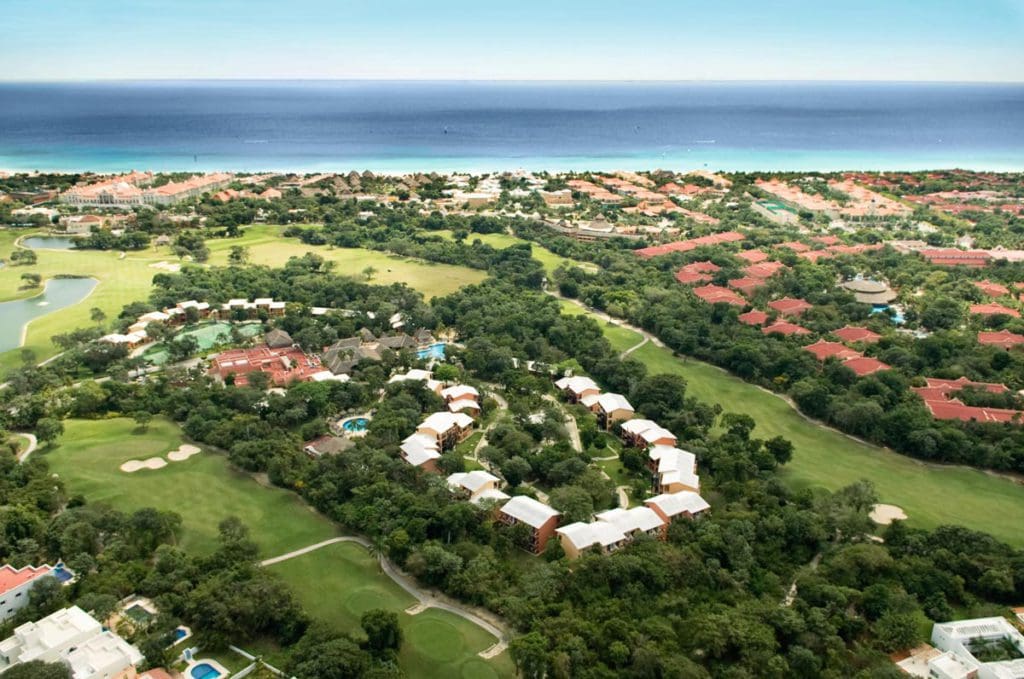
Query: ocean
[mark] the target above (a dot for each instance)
(491, 126)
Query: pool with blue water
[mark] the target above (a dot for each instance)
(433, 351)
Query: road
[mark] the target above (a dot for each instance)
(425, 598)
(33, 443)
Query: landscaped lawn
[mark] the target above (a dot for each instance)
(268, 246)
(931, 495)
(340, 582)
(549, 259)
(203, 489)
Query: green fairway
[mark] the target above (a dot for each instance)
(549, 259)
(931, 495)
(202, 489)
(340, 582)
(267, 246)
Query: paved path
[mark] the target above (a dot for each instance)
(570, 424)
(636, 346)
(33, 443)
(426, 598)
(614, 321)
(623, 496)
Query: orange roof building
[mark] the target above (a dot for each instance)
(764, 269)
(692, 244)
(1003, 338)
(754, 317)
(747, 286)
(852, 333)
(993, 310)
(823, 350)
(789, 306)
(865, 365)
(753, 256)
(992, 289)
(712, 294)
(785, 328)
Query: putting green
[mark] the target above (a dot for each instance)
(436, 639)
(203, 489)
(931, 495)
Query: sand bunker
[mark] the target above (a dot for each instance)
(136, 465)
(886, 514)
(183, 452)
(167, 266)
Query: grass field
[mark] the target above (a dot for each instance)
(340, 582)
(549, 259)
(267, 246)
(931, 495)
(203, 489)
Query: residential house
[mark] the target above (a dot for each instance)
(673, 469)
(579, 537)
(541, 519)
(15, 586)
(635, 521)
(612, 408)
(852, 334)
(446, 428)
(575, 388)
(788, 306)
(754, 317)
(478, 484)
(75, 639)
(462, 398)
(1002, 338)
(673, 506)
(640, 433)
(966, 641)
(421, 450)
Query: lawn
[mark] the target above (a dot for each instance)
(931, 495)
(549, 259)
(437, 644)
(203, 489)
(267, 246)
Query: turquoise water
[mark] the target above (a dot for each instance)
(204, 671)
(48, 243)
(485, 126)
(433, 351)
(58, 294)
(355, 424)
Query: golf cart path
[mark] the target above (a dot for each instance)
(33, 443)
(426, 599)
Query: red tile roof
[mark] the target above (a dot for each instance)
(754, 317)
(1003, 338)
(826, 240)
(692, 244)
(864, 365)
(961, 382)
(815, 255)
(701, 267)
(993, 310)
(691, 277)
(283, 365)
(992, 289)
(854, 334)
(11, 577)
(764, 269)
(753, 256)
(716, 293)
(785, 328)
(954, 257)
(822, 350)
(747, 286)
(790, 306)
(795, 246)
(939, 397)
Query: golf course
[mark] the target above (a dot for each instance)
(336, 583)
(931, 495)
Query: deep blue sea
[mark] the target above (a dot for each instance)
(405, 126)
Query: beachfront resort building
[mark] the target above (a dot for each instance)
(75, 639)
(135, 188)
(15, 586)
(537, 516)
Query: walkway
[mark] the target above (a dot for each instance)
(636, 346)
(426, 599)
(570, 424)
(33, 443)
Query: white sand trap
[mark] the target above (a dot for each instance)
(167, 266)
(183, 452)
(136, 465)
(886, 514)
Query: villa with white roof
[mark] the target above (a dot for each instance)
(541, 519)
(447, 429)
(462, 398)
(480, 485)
(575, 388)
(418, 375)
(421, 450)
(673, 469)
(579, 537)
(612, 408)
(642, 433)
(672, 506)
(967, 643)
(72, 637)
(635, 521)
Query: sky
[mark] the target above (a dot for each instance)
(907, 40)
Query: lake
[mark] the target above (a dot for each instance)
(58, 294)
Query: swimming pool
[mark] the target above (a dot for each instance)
(62, 574)
(433, 351)
(354, 424)
(204, 670)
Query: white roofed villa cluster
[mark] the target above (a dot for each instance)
(444, 429)
(179, 313)
(673, 471)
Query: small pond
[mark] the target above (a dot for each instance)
(49, 243)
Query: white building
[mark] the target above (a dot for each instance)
(634, 521)
(480, 485)
(15, 585)
(578, 537)
(72, 637)
(963, 640)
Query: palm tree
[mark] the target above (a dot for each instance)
(378, 549)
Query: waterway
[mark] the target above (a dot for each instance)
(48, 243)
(58, 294)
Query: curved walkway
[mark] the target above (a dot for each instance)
(33, 443)
(426, 599)
(627, 352)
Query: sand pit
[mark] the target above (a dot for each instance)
(167, 266)
(183, 452)
(883, 515)
(136, 465)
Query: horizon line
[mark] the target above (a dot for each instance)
(621, 81)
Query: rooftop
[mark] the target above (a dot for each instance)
(529, 511)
